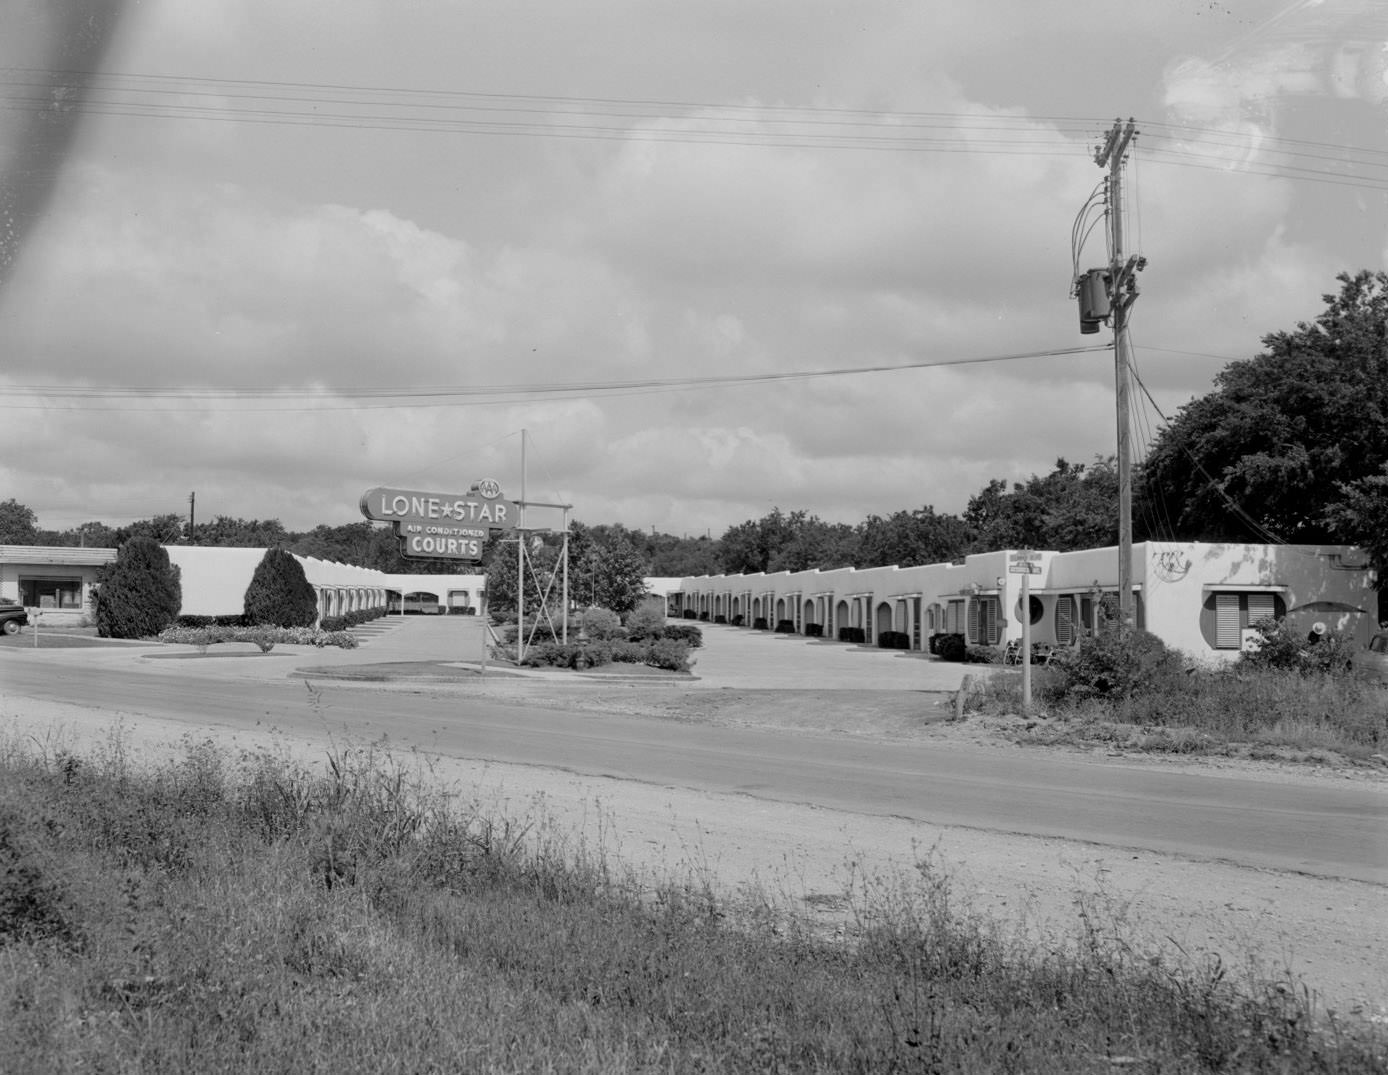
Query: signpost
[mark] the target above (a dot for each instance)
(1026, 563)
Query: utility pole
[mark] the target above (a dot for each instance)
(1122, 290)
(192, 502)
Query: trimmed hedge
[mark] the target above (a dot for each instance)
(350, 619)
(720, 618)
(951, 647)
(737, 621)
(759, 624)
(893, 640)
(669, 654)
(852, 634)
(785, 627)
(690, 614)
(814, 630)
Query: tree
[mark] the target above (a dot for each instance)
(617, 573)
(165, 529)
(502, 587)
(241, 533)
(17, 524)
(908, 538)
(1269, 451)
(279, 593)
(677, 557)
(814, 543)
(139, 593)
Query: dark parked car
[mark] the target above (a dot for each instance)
(12, 618)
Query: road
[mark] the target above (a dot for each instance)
(1327, 831)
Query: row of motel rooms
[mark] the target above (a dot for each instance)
(1200, 598)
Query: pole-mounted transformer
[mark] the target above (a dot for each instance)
(1092, 290)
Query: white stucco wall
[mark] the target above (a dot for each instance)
(1174, 582)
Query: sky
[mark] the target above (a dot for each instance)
(674, 264)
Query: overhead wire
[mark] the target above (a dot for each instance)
(696, 122)
(472, 395)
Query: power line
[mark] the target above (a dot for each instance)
(460, 112)
(473, 395)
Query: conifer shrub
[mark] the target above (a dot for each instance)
(140, 593)
(280, 595)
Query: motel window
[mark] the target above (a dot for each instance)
(42, 592)
(1065, 620)
(985, 621)
(1225, 615)
(1037, 609)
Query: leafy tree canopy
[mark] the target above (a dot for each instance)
(17, 524)
(1269, 451)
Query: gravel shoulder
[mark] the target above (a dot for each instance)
(1266, 925)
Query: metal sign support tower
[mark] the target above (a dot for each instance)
(1122, 292)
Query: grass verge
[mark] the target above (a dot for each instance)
(241, 913)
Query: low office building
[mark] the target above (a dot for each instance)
(1198, 597)
(57, 581)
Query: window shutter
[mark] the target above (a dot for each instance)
(1226, 621)
(1065, 620)
(1260, 607)
(973, 621)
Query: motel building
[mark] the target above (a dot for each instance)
(1197, 597)
(60, 583)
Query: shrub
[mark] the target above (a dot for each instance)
(279, 594)
(852, 634)
(350, 619)
(669, 654)
(599, 623)
(785, 627)
(814, 630)
(140, 593)
(737, 620)
(893, 640)
(982, 655)
(720, 618)
(628, 652)
(233, 620)
(759, 624)
(263, 636)
(1117, 663)
(951, 647)
(687, 633)
(690, 614)
(703, 617)
(1278, 646)
(645, 621)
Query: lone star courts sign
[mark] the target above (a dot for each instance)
(442, 526)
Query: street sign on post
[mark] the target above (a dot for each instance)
(1024, 568)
